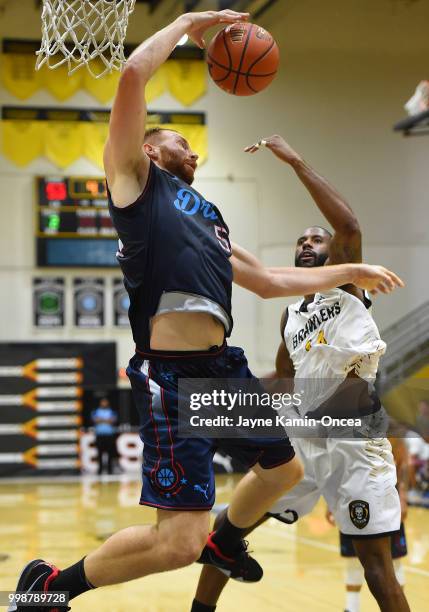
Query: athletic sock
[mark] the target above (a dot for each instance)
(197, 606)
(73, 580)
(352, 601)
(228, 537)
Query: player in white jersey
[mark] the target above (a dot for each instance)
(330, 348)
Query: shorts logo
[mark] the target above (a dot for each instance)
(166, 478)
(169, 478)
(359, 513)
(201, 489)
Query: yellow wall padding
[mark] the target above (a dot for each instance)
(95, 136)
(19, 76)
(58, 82)
(64, 141)
(22, 141)
(103, 89)
(186, 80)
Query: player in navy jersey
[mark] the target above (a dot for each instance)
(178, 266)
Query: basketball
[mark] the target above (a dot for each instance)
(243, 59)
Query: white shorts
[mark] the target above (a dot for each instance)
(357, 478)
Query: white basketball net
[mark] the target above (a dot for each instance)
(78, 31)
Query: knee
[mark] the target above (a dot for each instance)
(184, 551)
(373, 576)
(381, 580)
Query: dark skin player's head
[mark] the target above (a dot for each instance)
(312, 247)
(169, 150)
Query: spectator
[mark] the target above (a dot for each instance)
(104, 419)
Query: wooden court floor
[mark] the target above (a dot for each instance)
(62, 521)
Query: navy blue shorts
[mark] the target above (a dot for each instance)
(178, 472)
(398, 544)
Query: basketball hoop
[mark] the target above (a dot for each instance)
(76, 32)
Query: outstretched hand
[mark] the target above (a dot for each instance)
(200, 22)
(278, 146)
(376, 279)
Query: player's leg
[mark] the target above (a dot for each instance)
(255, 493)
(275, 470)
(353, 573)
(354, 578)
(399, 550)
(175, 541)
(399, 572)
(376, 558)
(212, 581)
(260, 488)
(297, 502)
(362, 496)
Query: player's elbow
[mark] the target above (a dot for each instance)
(351, 228)
(135, 72)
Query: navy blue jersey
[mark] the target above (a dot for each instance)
(171, 239)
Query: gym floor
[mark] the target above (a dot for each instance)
(63, 520)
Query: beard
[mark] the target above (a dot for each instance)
(176, 165)
(316, 261)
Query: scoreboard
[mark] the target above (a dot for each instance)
(73, 225)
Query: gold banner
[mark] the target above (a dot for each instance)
(185, 79)
(22, 141)
(19, 76)
(64, 142)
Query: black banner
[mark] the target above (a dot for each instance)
(42, 389)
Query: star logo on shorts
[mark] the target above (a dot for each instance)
(359, 513)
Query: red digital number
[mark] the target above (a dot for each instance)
(55, 191)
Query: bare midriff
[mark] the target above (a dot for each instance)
(185, 331)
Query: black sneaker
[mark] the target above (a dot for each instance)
(241, 567)
(36, 576)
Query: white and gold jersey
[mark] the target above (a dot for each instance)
(330, 337)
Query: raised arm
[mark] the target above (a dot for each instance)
(250, 273)
(125, 161)
(346, 244)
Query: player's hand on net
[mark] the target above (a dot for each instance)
(200, 22)
(376, 279)
(278, 146)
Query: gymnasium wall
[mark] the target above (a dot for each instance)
(347, 68)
